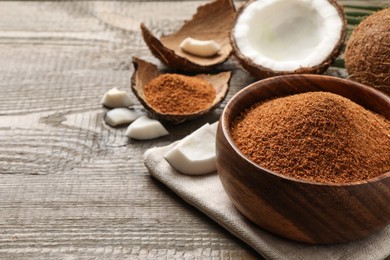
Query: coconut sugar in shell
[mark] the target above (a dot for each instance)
(179, 94)
(145, 72)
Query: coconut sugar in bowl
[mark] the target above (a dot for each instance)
(316, 211)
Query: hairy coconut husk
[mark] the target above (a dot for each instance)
(211, 22)
(145, 71)
(367, 56)
(261, 72)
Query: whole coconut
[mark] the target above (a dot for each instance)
(367, 56)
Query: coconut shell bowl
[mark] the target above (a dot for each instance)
(311, 212)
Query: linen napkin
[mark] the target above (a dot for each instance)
(207, 194)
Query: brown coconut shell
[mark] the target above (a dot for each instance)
(261, 72)
(145, 71)
(211, 22)
(367, 55)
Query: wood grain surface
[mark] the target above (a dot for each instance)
(70, 186)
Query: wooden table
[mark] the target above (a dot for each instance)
(70, 186)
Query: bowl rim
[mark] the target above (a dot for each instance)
(258, 84)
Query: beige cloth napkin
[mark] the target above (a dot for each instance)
(207, 194)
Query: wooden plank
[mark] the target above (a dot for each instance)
(71, 186)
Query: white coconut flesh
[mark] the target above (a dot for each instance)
(145, 128)
(285, 35)
(195, 154)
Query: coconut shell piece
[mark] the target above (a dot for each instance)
(367, 56)
(212, 21)
(261, 72)
(145, 71)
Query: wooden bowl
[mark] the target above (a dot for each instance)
(304, 211)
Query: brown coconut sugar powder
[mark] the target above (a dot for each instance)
(315, 136)
(179, 94)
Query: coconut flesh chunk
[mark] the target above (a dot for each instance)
(285, 35)
(145, 128)
(121, 116)
(115, 98)
(195, 154)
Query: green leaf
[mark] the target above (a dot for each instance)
(357, 14)
(364, 7)
(338, 63)
(354, 20)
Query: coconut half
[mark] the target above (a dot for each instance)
(145, 71)
(276, 37)
(367, 56)
(212, 21)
